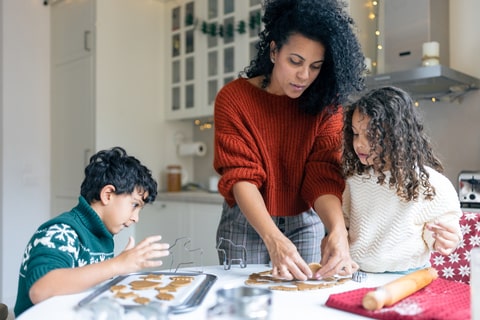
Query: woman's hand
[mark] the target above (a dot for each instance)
(446, 237)
(286, 261)
(336, 258)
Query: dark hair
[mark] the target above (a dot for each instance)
(325, 21)
(395, 132)
(124, 172)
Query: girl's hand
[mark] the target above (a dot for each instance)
(446, 238)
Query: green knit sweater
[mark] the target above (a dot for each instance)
(72, 239)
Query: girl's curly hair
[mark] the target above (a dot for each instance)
(325, 21)
(395, 132)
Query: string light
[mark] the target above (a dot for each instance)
(373, 7)
(204, 124)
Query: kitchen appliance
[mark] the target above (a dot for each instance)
(407, 26)
(469, 189)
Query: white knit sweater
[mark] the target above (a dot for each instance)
(387, 233)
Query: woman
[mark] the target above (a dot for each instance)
(278, 135)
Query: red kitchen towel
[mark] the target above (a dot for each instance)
(456, 266)
(441, 300)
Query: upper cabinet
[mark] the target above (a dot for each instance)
(209, 43)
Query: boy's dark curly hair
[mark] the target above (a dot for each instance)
(325, 21)
(395, 132)
(124, 172)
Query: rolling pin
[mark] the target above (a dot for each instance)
(398, 289)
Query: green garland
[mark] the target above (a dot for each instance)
(227, 30)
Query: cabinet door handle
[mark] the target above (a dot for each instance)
(86, 42)
(86, 157)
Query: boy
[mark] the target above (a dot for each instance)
(74, 251)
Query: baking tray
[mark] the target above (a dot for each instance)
(186, 299)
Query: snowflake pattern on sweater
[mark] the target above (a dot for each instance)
(72, 239)
(64, 238)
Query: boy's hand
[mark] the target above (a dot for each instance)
(144, 255)
(446, 238)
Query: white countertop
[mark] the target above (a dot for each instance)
(199, 196)
(285, 305)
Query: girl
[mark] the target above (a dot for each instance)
(397, 205)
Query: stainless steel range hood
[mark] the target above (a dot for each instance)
(407, 24)
(439, 82)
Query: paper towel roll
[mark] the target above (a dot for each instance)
(192, 149)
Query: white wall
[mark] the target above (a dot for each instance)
(131, 47)
(129, 72)
(25, 147)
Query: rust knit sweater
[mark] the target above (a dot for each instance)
(266, 139)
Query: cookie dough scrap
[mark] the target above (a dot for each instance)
(256, 281)
(284, 288)
(266, 278)
(302, 286)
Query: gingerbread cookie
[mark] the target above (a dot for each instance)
(125, 295)
(167, 288)
(118, 288)
(153, 276)
(144, 284)
(165, 296)
(142, 300)
(314, 267)
(182, 278)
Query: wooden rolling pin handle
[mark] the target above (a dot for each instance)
(398, 289)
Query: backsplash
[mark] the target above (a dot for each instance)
(203, 166)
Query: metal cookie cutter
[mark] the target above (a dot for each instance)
(227, 261)
(185, 249)
(359, 276)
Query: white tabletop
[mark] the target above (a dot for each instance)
(285, 304)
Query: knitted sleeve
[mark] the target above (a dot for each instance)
(236, 152)
(323, 171)
(52, 248)
(445, 206)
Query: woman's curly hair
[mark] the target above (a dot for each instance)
(325, 21)
(395, 132)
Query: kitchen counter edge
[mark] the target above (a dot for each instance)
(191, 196)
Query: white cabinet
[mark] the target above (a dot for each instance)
(72, 112)
(106, 88)
(211, 41)
(190, 226)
